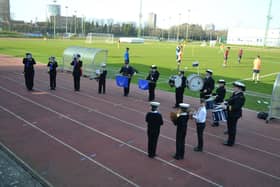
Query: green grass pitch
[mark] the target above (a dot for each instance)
(163, 55)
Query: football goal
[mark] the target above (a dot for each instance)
(100, 38)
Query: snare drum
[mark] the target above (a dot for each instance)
(209, 103)
(175, 80)
(171, 81)
(194, 82)
(219, 115)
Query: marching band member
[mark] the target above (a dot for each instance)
(102, 79)
(208, 85)
(234, 109)
(128, 71)
(219, 97)
(200, 117)
(52, 64)
(179, 91)
(154, 121)
(29, 62)
(181, 122)
(77, 71)
(152, 77)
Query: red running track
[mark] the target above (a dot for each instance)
(86, 139)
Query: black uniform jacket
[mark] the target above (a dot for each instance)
(102, 76)
(154, 120)
(53, 66)
(28, 64)
(128, 71)
(182, 120)
(77, 67)
(220, 94)
(153, 76)
(209, 85)
(235, 103)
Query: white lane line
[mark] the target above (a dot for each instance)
(134, 110)
(108, 136)
(166, 120)
(167, 137)
(116, 118)
(68, 146)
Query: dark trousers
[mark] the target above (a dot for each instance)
(101, 86)
(180, 141)
(231, 125)
(52, 79)
(76, 82)
(152, 142)
(29, 79)
(199, 130)
(126, 90)
(179, 93)
(152, 87)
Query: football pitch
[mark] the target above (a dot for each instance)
(163, 55)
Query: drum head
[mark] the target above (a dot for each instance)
(178, 81)
(195, 82)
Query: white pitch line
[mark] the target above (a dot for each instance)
(69, 146)
(262, 76)
(167, 137)
(108, 136)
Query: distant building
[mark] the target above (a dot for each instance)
(4, 13)
(152, 20)
(54, 10)
(209, 27)
(242, 36)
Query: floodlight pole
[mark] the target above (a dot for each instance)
(268, 18)
(187, 32)
(178, 28)
(75, 21)
(54, 1)
(66, 19)
(140, 20)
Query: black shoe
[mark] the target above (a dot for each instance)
(196, 149)
(151, 156)
(227, 144)
(225, 132)
(177, 157)
(215, 125)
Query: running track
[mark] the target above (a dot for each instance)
(86, 139)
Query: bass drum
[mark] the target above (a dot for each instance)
(194, 82)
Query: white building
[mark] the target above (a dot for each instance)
(241, 36)
(152, 20)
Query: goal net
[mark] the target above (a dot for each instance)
(100, 38)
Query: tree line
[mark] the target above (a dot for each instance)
(81, 28)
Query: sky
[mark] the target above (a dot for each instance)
(223, 14)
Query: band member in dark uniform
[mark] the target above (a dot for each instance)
(29, 62)
(102, 79)
(234, 109)
(77, 71)
(128, 71)
(179, 91)
(152, 77)
(220, 96)
(52, 64)
(181, 123)
(154, 121)
(208, 85)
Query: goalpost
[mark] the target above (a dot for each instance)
(100, 38)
